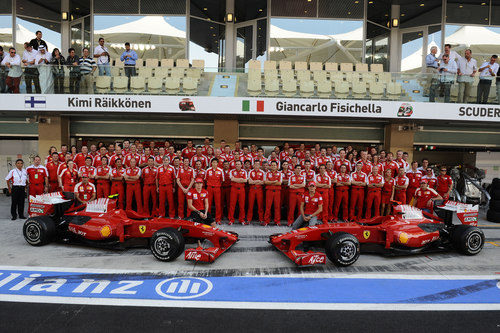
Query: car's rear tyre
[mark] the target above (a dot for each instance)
(167, 244)
(495, 184)
(468, 239)
(493, 216)
(39, 230)
(342, 249)
(495, 194)
(495, 205)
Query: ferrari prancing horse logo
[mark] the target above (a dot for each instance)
(142, 229)
(366, 234)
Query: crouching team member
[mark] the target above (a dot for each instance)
(310, 207)
(425, 197)
(85, 190)
(133, 180)
(373, 198)
(197, 203)
(117, 187)
(149, 189)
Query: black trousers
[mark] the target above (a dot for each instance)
(31, 75)
(17, 205)
(483, 91)
(195, 217)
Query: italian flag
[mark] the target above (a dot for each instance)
(247, 105)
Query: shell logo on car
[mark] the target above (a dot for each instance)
(403, 238)
(106, 231)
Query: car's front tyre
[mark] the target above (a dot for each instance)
(342, 249)
(167, 244)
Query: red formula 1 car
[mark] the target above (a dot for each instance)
(55, 217)
(407, 231)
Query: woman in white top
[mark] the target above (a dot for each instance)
(16, 183)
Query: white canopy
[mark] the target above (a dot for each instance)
(482, 41)
(22, 35)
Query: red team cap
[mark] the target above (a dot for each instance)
(198, 180)
(312, 184)
(423, 181)
(85, 175)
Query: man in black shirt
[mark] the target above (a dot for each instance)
(74, 71)
(36, 42)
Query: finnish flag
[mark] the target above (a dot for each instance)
(37, 102)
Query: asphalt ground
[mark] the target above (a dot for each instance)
(252, 256)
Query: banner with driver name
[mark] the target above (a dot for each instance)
(244, 105)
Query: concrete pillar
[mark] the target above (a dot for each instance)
(230, 38)
(65, 28)
(226, 129)
(399, 137)
(394, 44)
(52, 131)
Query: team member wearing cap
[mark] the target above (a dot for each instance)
(444, 184)
(52, 168)
(68, 177)
(425, 197)
(85, 190)
(214, 178)
(358, 185)
(311, 206)
(185, 180)
(117, 177)
(165, 185)
(197, 203)
(323, 184)
(133, 179)
(387, 192)
(238, 178)
(256, 193)
(38, 177)
(296, 185)
(103, 176)
(273, 181)
(343, 181)
(373, 198)
(149, 175)
(401, 184)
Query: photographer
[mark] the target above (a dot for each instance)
(447, 70)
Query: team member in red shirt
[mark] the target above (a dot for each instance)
(287, 172)
(214, 178)
(238, 178)
(311, 206)
(102, 153)
(148, 175)
(226, 187)
(199, 157)
(185, 180)
(133, 154)
(256, 182)
(296, 185)
(322, 159)
(387, 192)
(323, 184)
(401, 184)
(367, 165)
(38, 177)
(62, 154)
(390, 164)
(52, 168)
(343, 181)
(425, 197)
(197, 202)
(373, 198)
(444, 184)
(88, 169)
(199, 172)
(68, 177)
(331, 193)
(165, 186)
(133, 179)
(85, 190)
(189, 151)
(430, 178)
(342, 161)
(117, 187)
(308, 171)
(273, 181)
(79, 158)
(358, 185)
(102, 176)
(414, 177)
(401, 161)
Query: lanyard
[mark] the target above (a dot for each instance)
(20, 175)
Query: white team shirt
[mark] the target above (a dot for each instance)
(18, 177)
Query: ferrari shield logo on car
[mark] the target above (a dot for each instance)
(366, 234)
(142, 229)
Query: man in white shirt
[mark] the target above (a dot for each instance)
(12, 62)
(16, 184)
(447, 71)
(102, 54)
(31, 75)
(452, 55)
(487, 72)
(467, 68)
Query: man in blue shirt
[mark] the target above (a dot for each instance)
(129, 57)
(431, 63)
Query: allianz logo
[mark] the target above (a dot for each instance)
(184, 288)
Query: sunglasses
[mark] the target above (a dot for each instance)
(443, 170)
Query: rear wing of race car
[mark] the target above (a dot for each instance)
(465, 213)
(47, 204)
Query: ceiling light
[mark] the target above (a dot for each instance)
(461, 6)
(64, 16)
(356, 1)
(205, 8)
(395, 22)
(370, 2)
(483, 4)
(260, 9)
(422, 4)
(403, 14)
(229, 17)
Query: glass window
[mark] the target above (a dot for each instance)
(208, 46)
(482, 40)
(495, 12)
(316, 40)
(5, 31)
(27, 27)
(377, 45)
(150, 36)
(467, 12)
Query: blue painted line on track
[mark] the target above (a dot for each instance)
(249, 289)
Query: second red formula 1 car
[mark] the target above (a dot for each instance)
(407, 231)
(99, 223)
